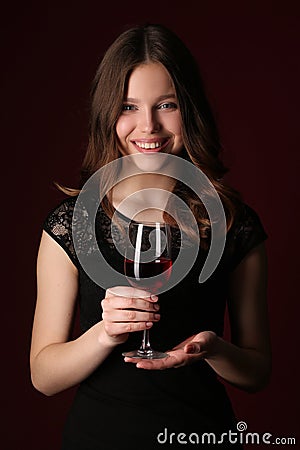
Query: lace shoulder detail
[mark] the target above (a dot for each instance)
(74, 226)
(58, 224)
(247, 232)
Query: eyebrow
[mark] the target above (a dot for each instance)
(159, 99)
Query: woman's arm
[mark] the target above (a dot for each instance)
(57, 364)
(246, 361)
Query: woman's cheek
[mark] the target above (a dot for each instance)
(124, 127)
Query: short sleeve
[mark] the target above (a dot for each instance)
(248, 232)
(58, 224)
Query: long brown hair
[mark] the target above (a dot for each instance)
(156, 43)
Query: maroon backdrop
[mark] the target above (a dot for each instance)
(250, 64)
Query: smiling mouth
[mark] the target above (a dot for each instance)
(150, 146)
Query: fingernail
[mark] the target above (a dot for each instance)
(154, 298)
(191, 349)
(156, 307)
(149, 324)
(157, 316)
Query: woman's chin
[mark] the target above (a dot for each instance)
(150, 161)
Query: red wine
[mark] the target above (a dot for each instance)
(161, 266)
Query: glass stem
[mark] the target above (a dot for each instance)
(146, 347)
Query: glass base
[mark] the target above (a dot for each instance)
(145, 354)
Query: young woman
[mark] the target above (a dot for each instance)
(147, 95)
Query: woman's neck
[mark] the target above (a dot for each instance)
(143, 196)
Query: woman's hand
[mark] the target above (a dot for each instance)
(199, 346)
(128, 311)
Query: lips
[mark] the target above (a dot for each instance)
(150, 145)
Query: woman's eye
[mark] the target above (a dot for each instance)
(168, 106)
(128, 107)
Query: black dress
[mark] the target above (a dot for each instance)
(122, 407)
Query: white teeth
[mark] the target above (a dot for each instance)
(148, 145)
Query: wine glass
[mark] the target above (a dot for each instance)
(147, 265)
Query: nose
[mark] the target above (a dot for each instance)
(149, 122)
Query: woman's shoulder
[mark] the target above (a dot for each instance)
(60, 216)
(247, 231)
(247, 220)
(65, 205)
(58, 224)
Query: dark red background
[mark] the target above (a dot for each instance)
(249, 55)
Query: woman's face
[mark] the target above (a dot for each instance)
(150, 120)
